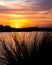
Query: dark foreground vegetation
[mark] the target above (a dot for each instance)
(40, 54)
(9, 29)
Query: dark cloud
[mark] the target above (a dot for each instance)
(45, 4)
(35, 4)
(42, 4)
(30, 5)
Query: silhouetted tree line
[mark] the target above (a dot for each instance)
(8, 29)
(5, 28)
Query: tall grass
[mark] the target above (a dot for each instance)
(45, 50)
(15, 57)
(21, 55)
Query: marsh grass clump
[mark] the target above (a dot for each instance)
(15, 57)
(45, 49)
(21, 56)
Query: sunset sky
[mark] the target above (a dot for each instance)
(26, 13)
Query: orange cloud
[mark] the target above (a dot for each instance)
(24, 15)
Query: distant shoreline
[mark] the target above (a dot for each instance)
(9, 29)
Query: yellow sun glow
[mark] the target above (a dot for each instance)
(15, 15)
(17, 20)
(16, 26)
(18, 23)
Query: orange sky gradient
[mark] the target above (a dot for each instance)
(24, 14)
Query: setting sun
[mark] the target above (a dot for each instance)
(24, 13)
(18, 23)
(16, 26)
